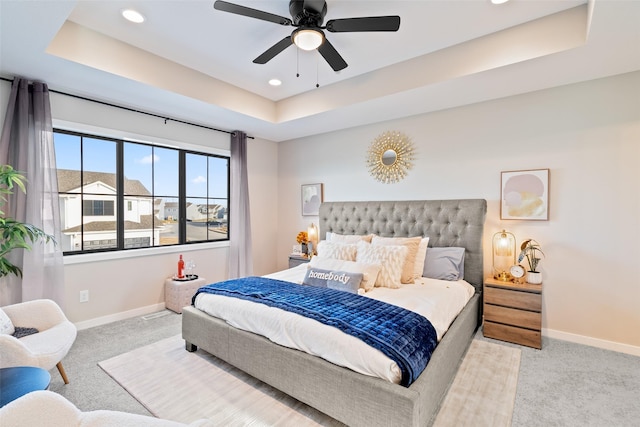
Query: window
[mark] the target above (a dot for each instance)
(117, 195)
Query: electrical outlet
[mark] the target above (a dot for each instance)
(84, 296)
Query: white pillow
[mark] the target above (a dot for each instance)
(390, 257)
(348, 238)
(412, 244)
(6, 326)
(369, 271)
(337, 250)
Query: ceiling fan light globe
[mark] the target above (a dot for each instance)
(308, 39)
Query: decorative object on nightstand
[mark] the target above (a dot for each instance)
(303, 239)
(312, 235)
(513, 312)
(518, 273)
(503, 255)
(530, 249)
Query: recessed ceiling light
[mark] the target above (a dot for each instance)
(133, 16)
(499, 1)
(275, 82)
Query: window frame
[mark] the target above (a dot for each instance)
(121, 197)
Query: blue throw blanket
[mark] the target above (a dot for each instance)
(404, 336)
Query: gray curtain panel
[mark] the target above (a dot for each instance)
(27, 145)
(240, 259)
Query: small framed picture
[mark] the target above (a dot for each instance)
(311, 199)
(525, 195)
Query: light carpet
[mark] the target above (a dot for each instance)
(177, 385)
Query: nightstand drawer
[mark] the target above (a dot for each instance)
(512, 316)
(512, 334)
(509, 298)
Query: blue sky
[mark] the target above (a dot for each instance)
(155, 167)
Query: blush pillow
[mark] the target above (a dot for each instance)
(412, 244)
(369, 271)
(340, 280)
(390, 257)
(444, 263)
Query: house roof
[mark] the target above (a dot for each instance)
(146, 223)
(69, 180)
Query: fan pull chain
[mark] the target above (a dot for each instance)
(317, 72)
(297, 62)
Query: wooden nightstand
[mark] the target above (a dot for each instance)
(513, 312)
(295, 260)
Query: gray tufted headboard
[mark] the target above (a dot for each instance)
(446, 222)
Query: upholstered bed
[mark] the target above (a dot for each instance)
(350, 397)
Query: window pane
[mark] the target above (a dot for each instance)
(138, 169)
(98, 223)
(99, 166)
(166, 177)
(67, 149)
(196, 219)
(196, 175)
(218, 177)
(218, 219)
(139, 231)
(167, 211)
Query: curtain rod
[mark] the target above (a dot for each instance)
(135, 111)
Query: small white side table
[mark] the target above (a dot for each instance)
(178, 293)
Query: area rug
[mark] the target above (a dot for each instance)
(177, 385)
(484, 390)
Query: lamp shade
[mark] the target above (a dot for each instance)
(504, 254)
(312, 232)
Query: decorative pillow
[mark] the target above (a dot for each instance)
(420, 257)
(390, 257)
(336, 250)
(348, 238)
(340, 280)
(23, 332)
(444, 263)
(412, 244)
(369, 271)
(6, 326)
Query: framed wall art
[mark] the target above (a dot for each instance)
(525, 195)
(311, 199)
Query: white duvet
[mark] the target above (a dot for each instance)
(438, 300)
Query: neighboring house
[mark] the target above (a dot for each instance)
(94, 202)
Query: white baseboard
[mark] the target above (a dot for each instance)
(120, 316)
(593, 342)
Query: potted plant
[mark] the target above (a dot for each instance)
(14, 234)
(530, 249)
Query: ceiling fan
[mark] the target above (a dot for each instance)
(308, 16)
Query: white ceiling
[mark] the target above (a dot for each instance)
(192, 62)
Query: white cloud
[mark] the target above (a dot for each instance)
(199, 180)
(149, 159)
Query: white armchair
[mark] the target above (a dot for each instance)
(46, 408)
(44, 349)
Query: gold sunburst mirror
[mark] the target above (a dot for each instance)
(390, 157)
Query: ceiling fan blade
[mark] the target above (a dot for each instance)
(372, 23)
(331, 55)
(270, 53)
(251, 13)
